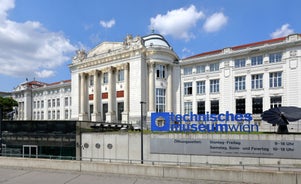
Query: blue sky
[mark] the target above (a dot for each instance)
(38, 38)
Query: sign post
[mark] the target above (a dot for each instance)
(141, 130)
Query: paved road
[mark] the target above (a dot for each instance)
(32, 176)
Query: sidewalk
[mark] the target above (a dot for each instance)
(10, 175)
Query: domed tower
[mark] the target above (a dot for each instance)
(162, 68)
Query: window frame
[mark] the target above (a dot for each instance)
(188, 88)
(201, 87)
(160, 99)
(214, 86)
(257, 81)
(240, 83)
(275, 79)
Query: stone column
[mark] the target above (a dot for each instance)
(169, 92)
(83, 116)
(151, 94)
(111, 115)
(125, 113)
(96, 97)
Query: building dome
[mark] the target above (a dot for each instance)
(155, 40)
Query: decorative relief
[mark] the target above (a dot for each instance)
(80, 55)
(293, 53)
(293, 64)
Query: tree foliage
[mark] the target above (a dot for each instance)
(7, 104)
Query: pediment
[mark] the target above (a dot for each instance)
(105, 47)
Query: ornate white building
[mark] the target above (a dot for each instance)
(109, 82)
(42, 101)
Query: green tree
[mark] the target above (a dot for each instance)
(7, 104)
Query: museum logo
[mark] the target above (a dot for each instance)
(224, 122)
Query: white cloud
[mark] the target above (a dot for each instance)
(5, 5)
(283, 31)
(215, 22)
(107, 24)
(27, 48)
(44, 73)
(177, 23)
(186, 52)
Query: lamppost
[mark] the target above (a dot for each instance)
(141, 130)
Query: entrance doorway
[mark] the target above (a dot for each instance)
(119, 111)
(30, 151)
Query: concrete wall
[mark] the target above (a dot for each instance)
(126, 147)
(198, 173)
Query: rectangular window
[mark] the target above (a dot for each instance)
(275, 101)
(42, 103)
(240, 83)
(160, 100)
(58, 102)
(201, 107)
(257, 81)
(53, 114)
(58, 114)
(49, 103)
(105, 78)
(66, 101)
(275, 79)
(42, 115)
(187, 107)
(214, 86)
(187, 70)
(120, 75)
(200, 87)
(239, 63)
(257, 105)
(66, 114)
(160, 71)
(275, 57)
(53, 102)
(240, 106)
(256, 60)
(200, 69)
(214, 106)
(49, 115)
(38, 104)
(188, 88)
(214, 67)
(91, 80)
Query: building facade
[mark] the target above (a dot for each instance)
(248, 78)
(110, 81)
(42, 101)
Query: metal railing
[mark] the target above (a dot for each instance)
(206, 165)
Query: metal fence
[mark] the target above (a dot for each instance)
(207, 165)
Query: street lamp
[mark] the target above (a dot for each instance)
(141, 130)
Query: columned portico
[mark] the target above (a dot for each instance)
(125, 113)
(151, 92)
(96, 116)
(83, 115)
(111, 114)
(169, 93)
(110, 80)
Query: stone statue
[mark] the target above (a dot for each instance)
(80, 55)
